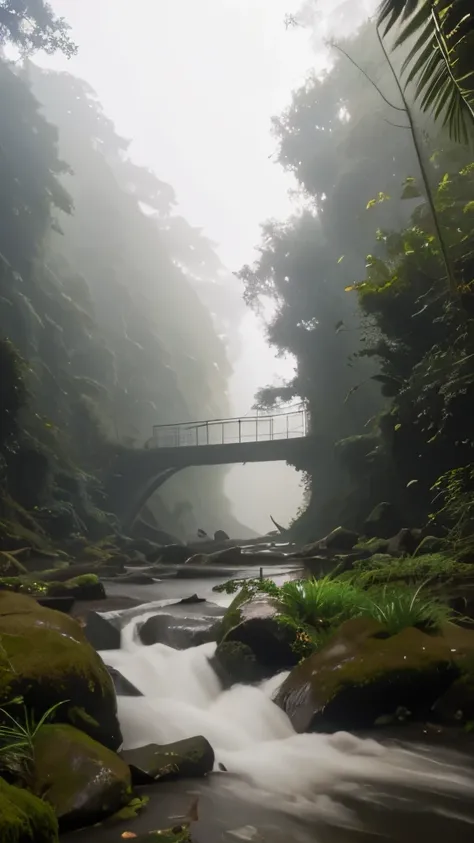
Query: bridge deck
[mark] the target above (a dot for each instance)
(232, 452)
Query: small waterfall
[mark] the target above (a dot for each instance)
(254, 739)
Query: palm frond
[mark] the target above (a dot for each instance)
(440, 62)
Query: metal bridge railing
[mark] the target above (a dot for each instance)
(261, 428)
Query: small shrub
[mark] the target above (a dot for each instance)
(400, 607)
(17, 736)
(320, 603)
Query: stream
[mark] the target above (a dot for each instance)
(278, 786)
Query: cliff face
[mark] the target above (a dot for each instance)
(94, 298)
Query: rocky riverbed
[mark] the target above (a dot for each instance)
(236, 676)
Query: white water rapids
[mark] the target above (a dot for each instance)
(300, 775)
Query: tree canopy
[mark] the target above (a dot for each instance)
(32, 25)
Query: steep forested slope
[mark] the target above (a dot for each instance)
(93, 295)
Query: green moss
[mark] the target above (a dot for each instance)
(45, 658)
(434, 567)
(81, 779)
(24, 818)
(372, 545)
(232, 617)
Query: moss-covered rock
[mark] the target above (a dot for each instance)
(83, 781)
(45, 657)
(234, 662)
(256, 623)
(24, 818)
(189, 758)
(84, 587)
(361, 675)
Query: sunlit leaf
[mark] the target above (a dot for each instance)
(412, 483)
(397, 427)
(341, 258)
(469, 208)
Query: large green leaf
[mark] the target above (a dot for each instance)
(440, 62)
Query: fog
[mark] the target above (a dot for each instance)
(194, 87)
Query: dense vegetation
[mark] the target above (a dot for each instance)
(373, 287)
(106, 295)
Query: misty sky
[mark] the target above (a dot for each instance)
(193, 84)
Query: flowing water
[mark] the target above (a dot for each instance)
(280, 786)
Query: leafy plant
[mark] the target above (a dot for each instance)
(17, 737)
(398, 608)
(440, 61)
(319, 603)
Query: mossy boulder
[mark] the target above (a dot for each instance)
(234, 662)
(46, 659)
(24, 818)
(362, 674)
(10, 565)
(255, 622)
(189, 758)
(83, 781)
(84, 587)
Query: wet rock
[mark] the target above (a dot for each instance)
(70, 572)
(340, 539)
(227, 556)
(179, 633)
(83, 781)
(234, 662)
(192, 599)
(24, 818)
(86, 587)
(362, 675)
(189, 758)
(430, 544)
(457, 703)
(383, 522)
(175, 554)
(102, 633)
(46, 658)
(221, 536)
(123, 688)
(230, 555)
(255, 623)
(60, 604)
(404, 543)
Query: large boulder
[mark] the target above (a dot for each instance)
(178, 632)
(383, 522)
(101, 632)
(83, 781)
(189, 758)
(362, 675)
(24, 818)
(340, 539)
(46, 658)
(255, 622)
(404, 543)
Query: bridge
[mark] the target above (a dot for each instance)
(262, 437)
